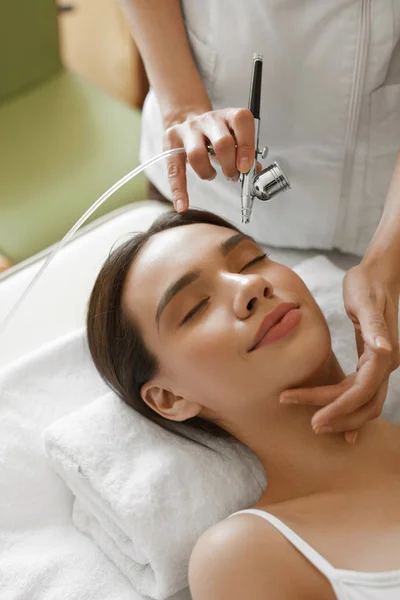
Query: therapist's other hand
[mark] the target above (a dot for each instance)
(231, 133)
(371, 301)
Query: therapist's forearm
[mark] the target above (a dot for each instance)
(158, 29)
(384, 249)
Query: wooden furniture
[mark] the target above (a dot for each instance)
(5, 263)
(96, 43)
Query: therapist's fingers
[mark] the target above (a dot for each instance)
(241, 122)
(366, 384)
(216, 130)
(319, 395)
(345, 398)
(356, 420)
(231, 133)
(359, 340)
(176, 167)
(197, 155)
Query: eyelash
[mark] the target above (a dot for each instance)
(194, 310)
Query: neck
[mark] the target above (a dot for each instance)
(299, 462)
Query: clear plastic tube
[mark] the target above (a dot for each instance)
(80, 222)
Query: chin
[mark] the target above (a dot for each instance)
(309, 352)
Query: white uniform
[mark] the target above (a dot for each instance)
(330, 112)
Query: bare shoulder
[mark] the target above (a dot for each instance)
(239, 559)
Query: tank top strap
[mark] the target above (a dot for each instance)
(308, 551)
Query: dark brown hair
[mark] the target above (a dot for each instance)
(116, 343)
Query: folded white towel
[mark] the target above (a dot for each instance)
(145, 495)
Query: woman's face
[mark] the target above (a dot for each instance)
(201, 329)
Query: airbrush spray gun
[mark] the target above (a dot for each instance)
(271, 181)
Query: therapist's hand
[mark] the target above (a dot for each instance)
(371, 301)
(231, 133)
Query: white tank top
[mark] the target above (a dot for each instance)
(347, 585)
(330, 112)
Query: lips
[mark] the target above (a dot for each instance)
(270, 320)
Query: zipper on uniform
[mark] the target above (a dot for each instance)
(353, 120)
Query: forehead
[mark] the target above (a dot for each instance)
(165, 256)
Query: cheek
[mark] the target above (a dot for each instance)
(205, 353)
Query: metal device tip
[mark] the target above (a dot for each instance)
(245, 219)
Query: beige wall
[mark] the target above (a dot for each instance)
(96, 43)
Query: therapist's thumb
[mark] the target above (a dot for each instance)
(374, 330)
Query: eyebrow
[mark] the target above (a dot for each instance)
(225, 247)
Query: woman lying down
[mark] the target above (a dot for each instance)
(191, 321)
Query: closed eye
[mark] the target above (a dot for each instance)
(255, 260)
(194, 310)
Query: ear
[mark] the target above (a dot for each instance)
(167, 404)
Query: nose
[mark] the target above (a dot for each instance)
(252, 289)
